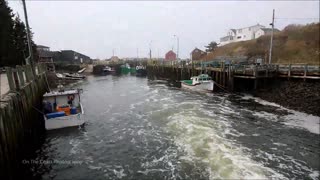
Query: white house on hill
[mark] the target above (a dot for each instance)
(245, 34)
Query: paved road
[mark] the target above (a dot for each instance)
(4, 86)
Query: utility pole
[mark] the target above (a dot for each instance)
(137, 53)
(158, 54)
(150, 55)
(113, 52)
(177, 46)
(29, 59)
(271, 40)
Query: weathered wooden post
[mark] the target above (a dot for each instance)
(28, 73)
(230, 77)
(10, 79)
(255, 71)
(218, 77)
(20, 74)
(16, 79)
(255, 74)
(223, 75)
(267, 71)
(289, 71)
(305, 72)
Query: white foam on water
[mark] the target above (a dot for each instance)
(133, 141)
(280, 144)
(259, 100)
(119, 173)
(314, 175)
(152, 164)
(289, 161)
(147, 171)
(206, 144)
(295, 119)
(74, 143)
(306, 121)
(94, 167)
(265, 115)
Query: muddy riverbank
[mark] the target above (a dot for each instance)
(299, 95)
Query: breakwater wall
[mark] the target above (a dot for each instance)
(21, 123)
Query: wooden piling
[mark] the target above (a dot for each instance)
(20, 125)
(305, 72)
(10, 79)
(289, 71)
(20, 73)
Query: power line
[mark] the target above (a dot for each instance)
(297, 18)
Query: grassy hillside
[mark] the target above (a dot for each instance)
(294, 44)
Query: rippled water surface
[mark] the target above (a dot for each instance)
(142, 129)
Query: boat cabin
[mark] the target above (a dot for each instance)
(199, 79)
(61, 103)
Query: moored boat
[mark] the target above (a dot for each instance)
(67, 76)
(62, 109)
(203, 82)
(108, 70)
(74, 75)
(125, 69)
(141, 71)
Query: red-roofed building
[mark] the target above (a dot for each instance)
(170, 56)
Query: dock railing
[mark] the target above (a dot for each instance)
(304, 71)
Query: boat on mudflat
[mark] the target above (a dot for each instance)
(203, 82)
(63, 109)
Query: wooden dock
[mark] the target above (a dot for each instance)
(226, 75)
(21, 125)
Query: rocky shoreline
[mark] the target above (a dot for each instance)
(298, 95)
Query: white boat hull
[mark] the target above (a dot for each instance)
(205, 86)
(65, 121)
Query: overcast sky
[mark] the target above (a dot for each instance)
(96, 28)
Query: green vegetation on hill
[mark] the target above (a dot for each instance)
(294, 44)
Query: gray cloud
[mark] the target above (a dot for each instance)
(96, 28)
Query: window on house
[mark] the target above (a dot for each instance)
(249, 28)
(240, 31)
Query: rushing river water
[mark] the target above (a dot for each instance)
(142, 129)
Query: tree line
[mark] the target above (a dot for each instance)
(13, 38)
